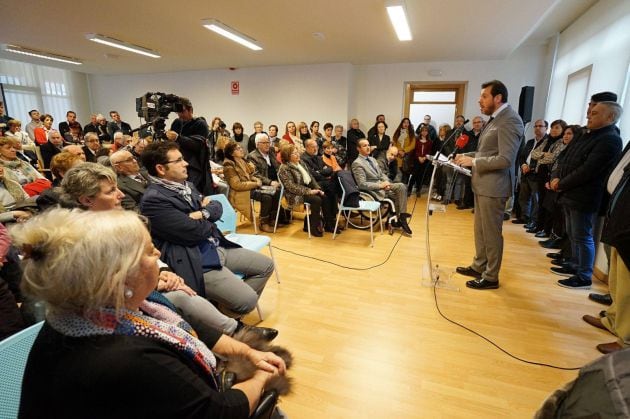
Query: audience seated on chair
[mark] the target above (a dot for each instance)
(263, 157)
(132, 181)
(324, 176)
(105, 309)
(369, 177)
(300, 187)
(245, 186)
(20, 170)
(92, 187)
(183, 229)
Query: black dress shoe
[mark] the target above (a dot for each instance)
(519, 221)
(404, 225)
(482, 284)
(605, 299)
(266, 333)
(532, 230)
(506, 217)
(561, 262)
(554, 255)
(551, 244)
(332, 230)
(529, 225)
(542, 234)
(468, 271)
(562, 271)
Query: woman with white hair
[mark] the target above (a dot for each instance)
(105, 349)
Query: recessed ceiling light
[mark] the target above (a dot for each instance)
(398, 16)
(40, 54)
(121, 44)
(230, 33)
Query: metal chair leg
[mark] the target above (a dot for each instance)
(307, 208)
(371, 231)
(336, 224)
(275, 265)
(259, 312)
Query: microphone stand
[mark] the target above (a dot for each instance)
(430, 273)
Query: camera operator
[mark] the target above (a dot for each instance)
(190, 133)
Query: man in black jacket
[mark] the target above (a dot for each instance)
(191, 133)
(324, 177)
(116, 124)
(64, 127)
(580, 178)
(528, 192)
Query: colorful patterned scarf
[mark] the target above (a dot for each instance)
(153, 321)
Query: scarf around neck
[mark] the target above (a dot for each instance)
(153, 321)
(183, 189)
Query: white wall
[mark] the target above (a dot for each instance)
(381, 88)
(326, 92)
(600, 37)
(269, 94)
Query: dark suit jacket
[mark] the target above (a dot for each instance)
(112, 127)
(584, 166)
(89, 156)
(48, 151)
(316, 167)
(133, 190)
(262, 168)
(28, 156)
(493, 173)
(176, 235)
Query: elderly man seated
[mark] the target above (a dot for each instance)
(132, 180)
(183, 229)
(370, 177)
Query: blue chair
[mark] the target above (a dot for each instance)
(307, 210)
(369, 206)
(227, 225)
(14, 352)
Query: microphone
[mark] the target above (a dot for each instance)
(462, 141)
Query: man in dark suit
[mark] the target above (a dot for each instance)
(64, 127)
(116, 125)
(91, 147)
(492, 181)
(131, 180)
(49, 149)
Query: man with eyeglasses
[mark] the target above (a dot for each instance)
(183, 228)
(426, 122)
(132, 181)
(528, 190)
(91, 147)
(191, 133)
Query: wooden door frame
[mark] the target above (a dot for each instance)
(459, 86)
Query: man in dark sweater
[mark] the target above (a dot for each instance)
(580, 178)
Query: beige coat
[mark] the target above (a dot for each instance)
(239, 174)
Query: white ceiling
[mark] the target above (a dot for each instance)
(355, 31)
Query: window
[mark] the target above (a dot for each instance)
(442, 101)
(29, 86)
(576, 96)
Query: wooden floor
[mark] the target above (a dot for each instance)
(371, 344)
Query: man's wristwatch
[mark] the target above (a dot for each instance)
(205, 213)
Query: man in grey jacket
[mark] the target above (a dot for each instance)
(492, 181)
